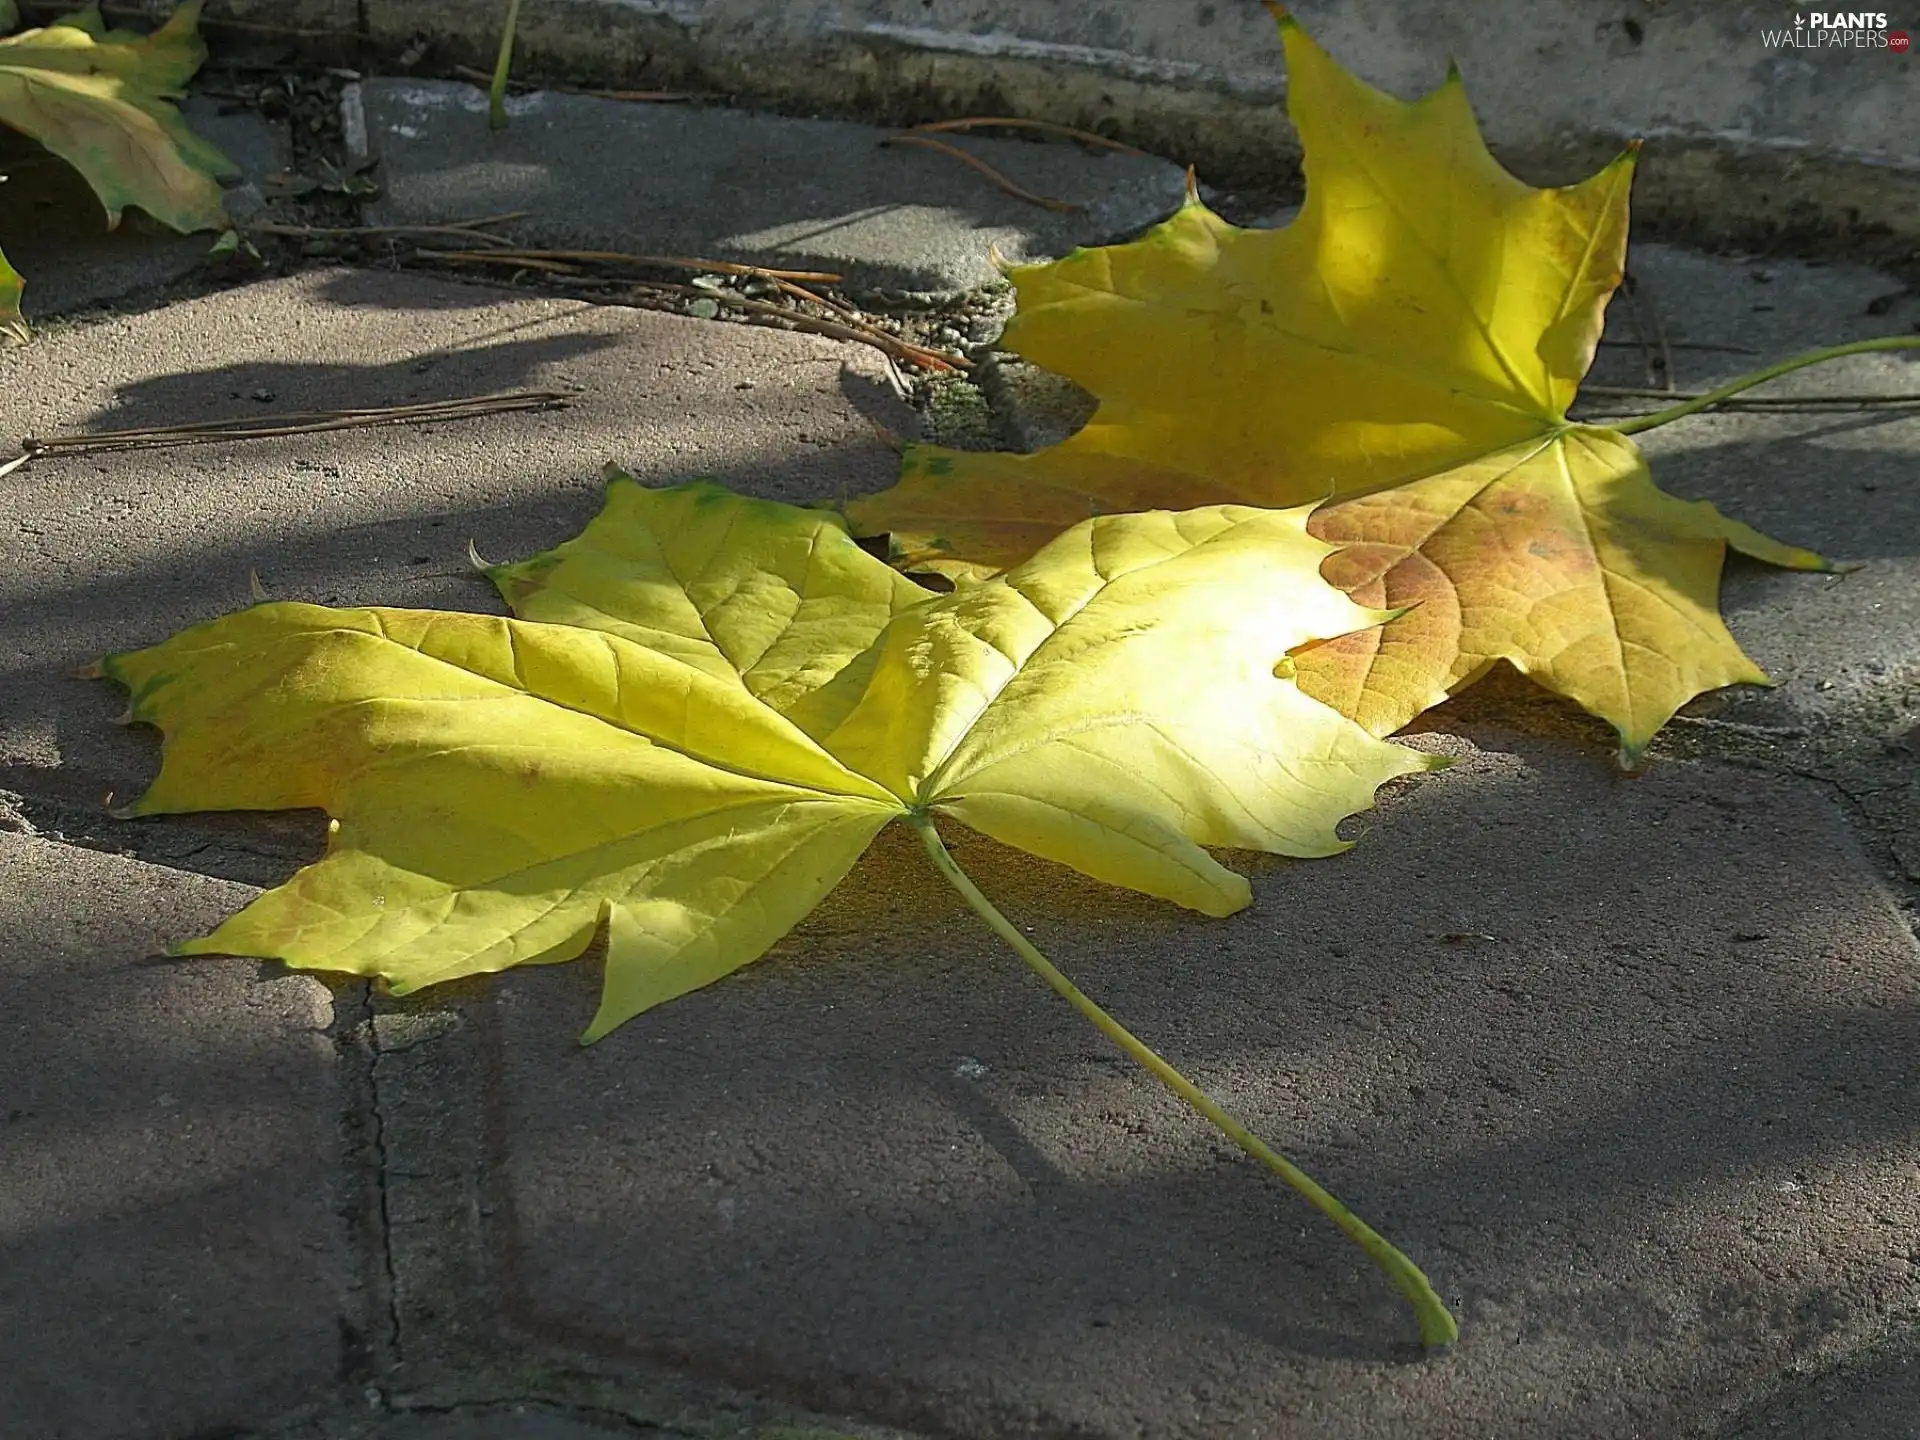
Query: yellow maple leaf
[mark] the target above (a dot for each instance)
(1408, 346)
(714, 706)
(701, 673)
(102, 100)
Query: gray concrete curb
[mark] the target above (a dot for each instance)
(1747, 141)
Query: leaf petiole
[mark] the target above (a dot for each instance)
(1437, 1326)
(1757, 377)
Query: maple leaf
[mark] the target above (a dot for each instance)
(1407, 347)
(101, 100)
(715, 705)
(712, 706)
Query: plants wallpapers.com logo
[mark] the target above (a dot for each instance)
(1838, 30)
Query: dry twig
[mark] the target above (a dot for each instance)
(618, 257)
(1689, 345)
(465, 229)
(852, 329)
(303, 422)
(1019, 192)
(847, 324)
(982, 122)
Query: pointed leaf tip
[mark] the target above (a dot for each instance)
(1279, 13)
(1193, 187)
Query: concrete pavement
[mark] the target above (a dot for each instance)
(179, 1207)
(732, 185)
(1627, 1064)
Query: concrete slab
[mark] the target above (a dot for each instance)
(732, 185)
(1639, 1091)
(55, 233)
(170, 1232)
(113, 551)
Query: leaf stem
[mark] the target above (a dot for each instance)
(497, 96)
(1437, 1326)
(1757, 377)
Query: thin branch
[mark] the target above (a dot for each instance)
(464, 229)
(849, 325)
(982, 122)
(618, 257)
(1689, 345)
(800, 292)
(1019, 192)
(640, 96)
(513, 259)
(856, 330)
(304, 422)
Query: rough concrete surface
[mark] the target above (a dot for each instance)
(1638, 1092)
(54, 231)
(1746, 137)
(818, 194)
(172, 1257)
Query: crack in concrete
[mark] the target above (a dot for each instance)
(368, 1341)
(382, 1160)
